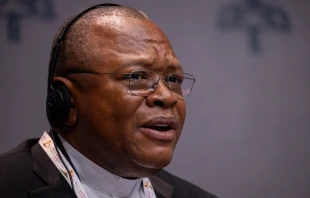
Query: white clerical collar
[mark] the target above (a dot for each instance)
(98, 178)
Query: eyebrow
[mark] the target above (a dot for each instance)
(177, 66)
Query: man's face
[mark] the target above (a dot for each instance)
(120, 131)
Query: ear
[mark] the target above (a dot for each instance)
(72, 119)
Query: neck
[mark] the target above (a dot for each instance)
(119, 165)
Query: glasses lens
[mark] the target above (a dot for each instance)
(141, 83)
(181, 84)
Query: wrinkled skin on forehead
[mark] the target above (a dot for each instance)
(105, 121)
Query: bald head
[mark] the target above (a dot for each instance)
(76, 50)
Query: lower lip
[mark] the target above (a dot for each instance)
(159, 135)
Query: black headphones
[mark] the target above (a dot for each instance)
(58, 101)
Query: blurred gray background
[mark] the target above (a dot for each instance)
(248, 122)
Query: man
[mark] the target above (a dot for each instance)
(125, 92)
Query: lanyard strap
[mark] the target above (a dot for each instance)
(48, 146)
(148, 188)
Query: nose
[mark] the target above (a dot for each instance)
(162, 97)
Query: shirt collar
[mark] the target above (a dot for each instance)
(97, 177)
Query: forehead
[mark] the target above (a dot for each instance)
(132, 39)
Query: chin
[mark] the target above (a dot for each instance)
(157, 159)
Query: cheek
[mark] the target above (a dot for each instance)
(115, 101)
(181, 111)
(125, 107)
(120, 114)
(111, 112)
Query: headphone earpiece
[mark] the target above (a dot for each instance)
(58, 105)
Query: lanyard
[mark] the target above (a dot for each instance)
(148, 188)
(48, 146)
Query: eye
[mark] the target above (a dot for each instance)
(173, 78)
(137, 76)
(133, 76)
(126, 76)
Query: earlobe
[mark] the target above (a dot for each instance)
(72, 119)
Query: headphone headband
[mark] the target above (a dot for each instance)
(55, 50)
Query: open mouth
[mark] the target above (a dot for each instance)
(162, 128)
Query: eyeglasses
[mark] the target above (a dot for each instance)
(144, 83)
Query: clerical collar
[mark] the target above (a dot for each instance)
(98, 178)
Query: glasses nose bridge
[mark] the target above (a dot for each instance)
(160, 78)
